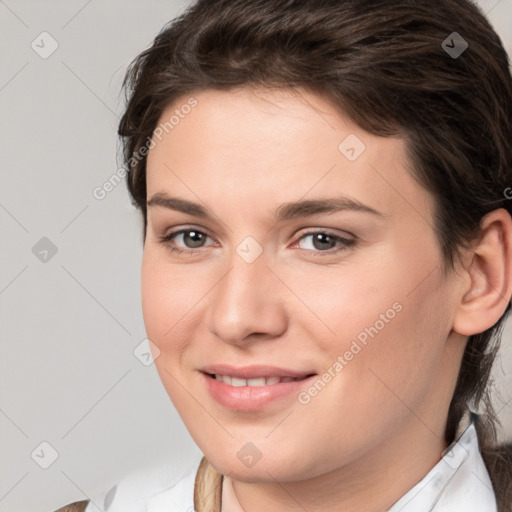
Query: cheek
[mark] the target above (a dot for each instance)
(386, 326)
(167, 301)
(353, 301)
(168, 295)
(154, 299)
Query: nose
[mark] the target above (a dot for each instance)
(247, 303)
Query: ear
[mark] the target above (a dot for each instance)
(487, 287)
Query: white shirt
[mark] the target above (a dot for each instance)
(458, 482)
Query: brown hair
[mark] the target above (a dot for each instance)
(385, 64)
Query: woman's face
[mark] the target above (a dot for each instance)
(306, 248)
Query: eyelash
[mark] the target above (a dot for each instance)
(346, 242)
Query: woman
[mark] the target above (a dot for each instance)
(327, 251)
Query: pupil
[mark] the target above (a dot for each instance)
(191, 235)
(322, 238)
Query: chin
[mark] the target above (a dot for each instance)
(281, 468)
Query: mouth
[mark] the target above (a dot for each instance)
(231, 380)
(252, 389)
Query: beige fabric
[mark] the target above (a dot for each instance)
(207, 488)
(77, 506)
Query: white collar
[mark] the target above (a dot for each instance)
(459, 481)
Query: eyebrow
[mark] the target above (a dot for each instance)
(286, 211)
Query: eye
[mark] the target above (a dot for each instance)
(192, 238)
(324, 241)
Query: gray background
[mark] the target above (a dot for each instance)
(70, 324)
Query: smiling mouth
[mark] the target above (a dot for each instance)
(256, 381)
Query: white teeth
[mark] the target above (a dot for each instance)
(235, 381)
(224, 378)
(256, 382)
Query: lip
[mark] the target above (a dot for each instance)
(252, 398)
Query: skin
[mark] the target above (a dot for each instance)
(378, 426)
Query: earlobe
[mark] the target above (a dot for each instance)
(487, 293)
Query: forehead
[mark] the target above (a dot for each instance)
(257, 145)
